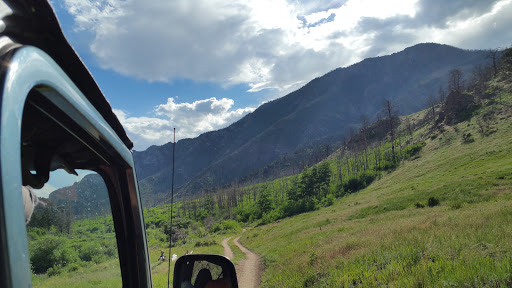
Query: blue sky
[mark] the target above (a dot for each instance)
(200, 65)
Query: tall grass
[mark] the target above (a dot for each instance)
(378, 236)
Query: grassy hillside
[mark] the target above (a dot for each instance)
(381, 235)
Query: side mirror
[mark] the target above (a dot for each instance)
(204, 271)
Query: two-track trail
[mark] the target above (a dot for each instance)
(248, 270)
(227, 250)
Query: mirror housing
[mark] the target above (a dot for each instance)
(204, 271)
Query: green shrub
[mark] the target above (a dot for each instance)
(270, 217)
(506, 60)
(51, 252)
(315, 279)
(467, 138)
(98, 251)
(353, 185)
(55, 270)
(313, 258)
(90, 250)
(74, 266)
(368, 177)
(456, 205)
(231, 225)
(205, 242)
(414, 149)
(432, 202)
(99, 258)
(269, 259)
(359, 182)
(34, 233)
(156, 238)
(217, 227)
(419, 205)
(328, 200)
(110, 248)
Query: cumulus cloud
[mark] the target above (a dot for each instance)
(273, 44)
(145, 131)
(465, 24)
(441, 14)
(489, 29)
(189, 119)
(230, 42)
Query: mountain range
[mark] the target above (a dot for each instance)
(326, 107)
(288, 129)
(88, 197)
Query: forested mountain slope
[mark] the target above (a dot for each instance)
(328, 105)
(288, 129)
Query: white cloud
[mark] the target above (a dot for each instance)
(45, 191)
(189, 119)
(273, 43)
(225, 41)
(316, 17)
(145, 131)
(478, 30)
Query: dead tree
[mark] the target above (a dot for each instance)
(441, 96)
(455, 82)
(409, 127)
(432, 103)
(364, 137)
(389, 110)
(492, 54)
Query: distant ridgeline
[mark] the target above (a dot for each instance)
(87, 198)
(300, 129)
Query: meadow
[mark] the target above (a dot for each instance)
(388, 235)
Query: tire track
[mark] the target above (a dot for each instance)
(227, 250)
(248, 270)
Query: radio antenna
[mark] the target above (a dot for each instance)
(172, 204)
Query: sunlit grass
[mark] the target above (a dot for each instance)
(106, 274)
(377, 237)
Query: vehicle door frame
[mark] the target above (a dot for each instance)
(23, 69)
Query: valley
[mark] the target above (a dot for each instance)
(407, 197)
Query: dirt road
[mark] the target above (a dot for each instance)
(227, 250)
(249, 270)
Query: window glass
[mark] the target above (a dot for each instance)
(71, 233)
(71, 236)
